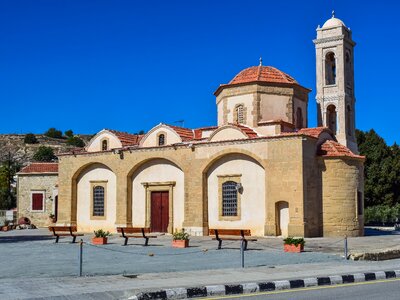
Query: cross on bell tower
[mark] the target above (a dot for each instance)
(335, 81)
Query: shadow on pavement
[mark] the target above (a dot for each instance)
(377, 232)
(24, 238)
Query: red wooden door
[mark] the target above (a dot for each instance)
(159, 211)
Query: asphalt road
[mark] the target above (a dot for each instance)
(372, 290)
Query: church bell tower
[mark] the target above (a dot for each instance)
(335, 81)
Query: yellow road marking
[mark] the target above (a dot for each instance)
(307, 289)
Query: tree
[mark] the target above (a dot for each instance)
(30, 138)
(75, 141)
(8, 168)
(44, 153)
(54, 133)
(69, 133)
(381, 169)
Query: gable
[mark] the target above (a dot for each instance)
(95, 143)
(152, 137)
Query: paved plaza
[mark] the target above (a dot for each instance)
(32, 259)
(33, 253)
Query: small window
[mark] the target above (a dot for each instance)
(161, 140)
(330, 68)
(239, 114)
(98, 201)
(37, 201)
(104, 145)
(229, 199)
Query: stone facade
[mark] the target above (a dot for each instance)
(37, 183)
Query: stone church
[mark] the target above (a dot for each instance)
(261, 168)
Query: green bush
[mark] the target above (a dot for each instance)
(75, 141)
(180, 235)
(44, 153)
(294, 241)
(30, 138)
(382, 214)
(69, 133)
(101, 233)
(54, 133)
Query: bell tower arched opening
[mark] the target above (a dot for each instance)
(330, 68)
(331, 118)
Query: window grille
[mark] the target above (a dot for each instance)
(161, 140)
(229, 198)
(104, 145)
(98, 201)
(239, 114)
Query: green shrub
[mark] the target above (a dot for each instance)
(75, 141)
(54, 133)
(180, 235)
(382, 214)
(101, 233)
(30, 138)
(294, 241)
(69, 133)
(44, 153)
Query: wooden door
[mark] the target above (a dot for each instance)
(159, 211)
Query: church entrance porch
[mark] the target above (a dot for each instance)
(159, 211)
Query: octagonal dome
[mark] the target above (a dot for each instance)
(262, 74)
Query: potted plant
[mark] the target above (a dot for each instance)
(6, 226)
(180, 239)
(52, 218)
(100, 237)
(294, 244)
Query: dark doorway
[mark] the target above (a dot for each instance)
(159, 211)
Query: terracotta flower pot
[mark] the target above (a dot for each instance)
(180, 243)
(292, 248)
(99, 240)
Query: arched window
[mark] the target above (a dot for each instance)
(104, 145)
(349, 124)
(229, 199)
(330, 68)
(331, 118)
(299, 118)
(98, 201)
(161, 140)
(239, 114)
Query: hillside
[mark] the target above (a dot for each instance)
(23, 153)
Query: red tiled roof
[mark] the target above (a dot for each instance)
(262, 74)
(40, 168)
(127, 139)
(333, 149)
(246, 130)
(186, 134)
(314, 132)
(198, 132)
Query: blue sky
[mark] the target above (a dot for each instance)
(129, 65)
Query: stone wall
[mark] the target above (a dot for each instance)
(292, 174)
(41, 182)
(342, 179)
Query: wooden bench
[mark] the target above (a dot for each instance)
(65, 231)
(232, 235)
(135, 232)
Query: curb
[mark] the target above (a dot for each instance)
(247, 288)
